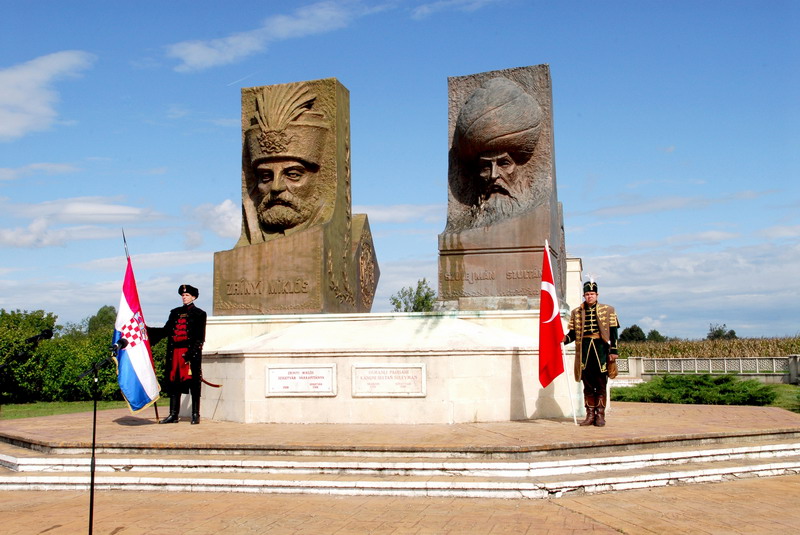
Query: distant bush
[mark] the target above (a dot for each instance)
(738, 347)
(408, 299)
(634, 333)
(698, 389)
(720, 332)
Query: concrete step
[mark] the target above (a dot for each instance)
(23, 460)
(28, 470)
(553, 486)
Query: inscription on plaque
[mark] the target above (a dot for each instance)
(270, 287)
(382, 380)
(301, 381)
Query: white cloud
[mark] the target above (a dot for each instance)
(780, 231)
(637, 205)
(425, 10)
(226, 123)
(746, 287)
(708, 236)
(42, 233)
(648, 324)
(317, 18)
(27, 96)
(160, 260)
(73, 301)
(83, 210)
(7, 173)
(403, 213)
(177, 112)
(84, 217)
(224, 219)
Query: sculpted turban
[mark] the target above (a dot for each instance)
(498, 116)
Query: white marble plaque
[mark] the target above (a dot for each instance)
(301, 380)
(386, 380)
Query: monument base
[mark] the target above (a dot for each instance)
(399, 368)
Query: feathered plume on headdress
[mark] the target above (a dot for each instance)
(590, 285)
(277, 106)
(286, 125)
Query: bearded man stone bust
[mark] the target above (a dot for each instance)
(495, 136)
(502, 204)
(301, 249)
(283, 189)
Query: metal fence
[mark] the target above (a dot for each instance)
(766, 369)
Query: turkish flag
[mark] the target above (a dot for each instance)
(551, 331)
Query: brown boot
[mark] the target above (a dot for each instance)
(600, 418)
(590, 410)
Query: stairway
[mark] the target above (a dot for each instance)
(396, 473)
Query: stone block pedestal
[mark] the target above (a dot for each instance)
(399, 368)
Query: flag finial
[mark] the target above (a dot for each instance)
(125, 242)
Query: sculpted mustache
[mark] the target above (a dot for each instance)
(282, 199)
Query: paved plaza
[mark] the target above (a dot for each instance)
(760, 505)
(751, 505)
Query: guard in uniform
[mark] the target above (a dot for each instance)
(185, 331)
(593, 327)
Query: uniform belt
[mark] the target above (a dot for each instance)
(595, 336)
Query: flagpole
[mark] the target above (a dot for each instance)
(569, 385)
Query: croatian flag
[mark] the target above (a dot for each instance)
(135, 369)
(551, 332)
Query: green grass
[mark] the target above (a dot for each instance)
(788, 397)
(49, 408)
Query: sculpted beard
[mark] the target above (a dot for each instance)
(286, 210)
(496, 207)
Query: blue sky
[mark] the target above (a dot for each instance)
(676, 142)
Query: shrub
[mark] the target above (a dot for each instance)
(21, 358)
(69, 356)
(408, 299)
(634, 333)
(698, 389)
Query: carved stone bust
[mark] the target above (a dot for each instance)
(301, 249)
(284, 187)
(492, 173)
(502, 203)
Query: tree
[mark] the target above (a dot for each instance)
(410, 300)
(20, 353)
(49, 370)
(655, 336)
(69, 356)
(634, 333)
(719, 332)
(103, 320)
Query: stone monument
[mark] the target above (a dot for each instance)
(502, 202)
(280, 360)
(301, 250)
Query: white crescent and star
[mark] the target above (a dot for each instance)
(550, 288)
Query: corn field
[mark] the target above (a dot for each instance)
(740, 347)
